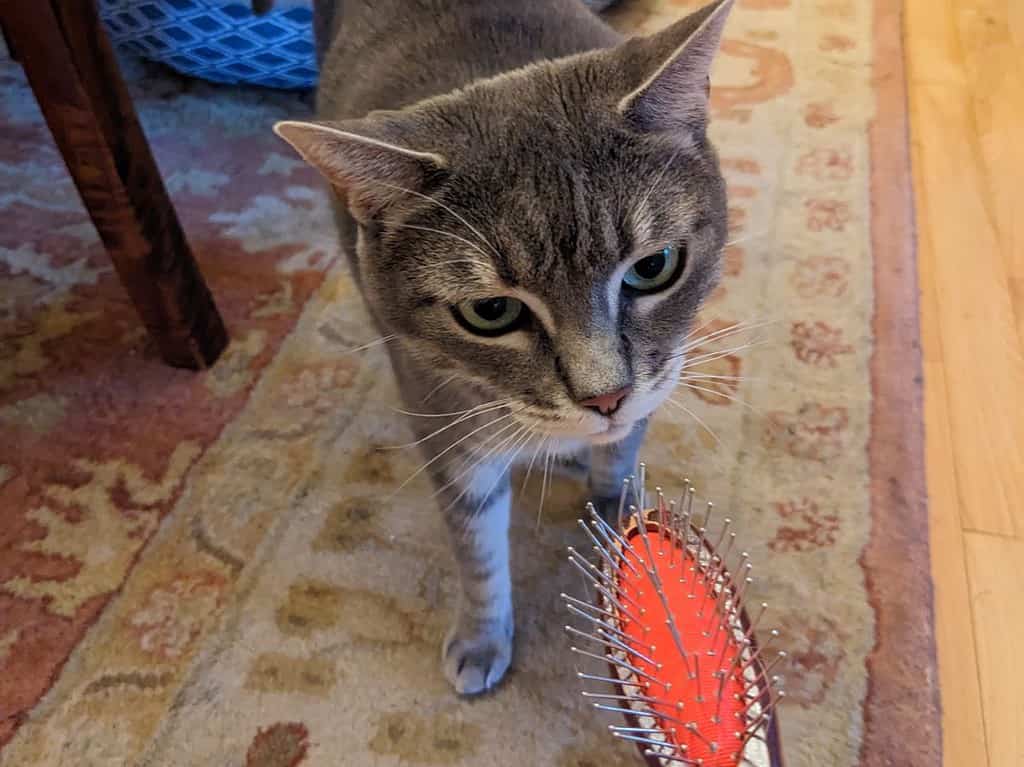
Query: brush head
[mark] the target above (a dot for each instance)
(666, 614)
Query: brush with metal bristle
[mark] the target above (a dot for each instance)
(667, 616)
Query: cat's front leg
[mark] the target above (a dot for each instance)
(609, 465)
(478, 648)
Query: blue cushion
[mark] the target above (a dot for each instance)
(218, 40)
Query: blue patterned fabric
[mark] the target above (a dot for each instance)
(220, 41)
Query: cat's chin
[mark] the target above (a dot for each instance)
(614, 433)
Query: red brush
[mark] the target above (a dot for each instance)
(667, 617)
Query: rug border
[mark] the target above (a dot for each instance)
(902, 712)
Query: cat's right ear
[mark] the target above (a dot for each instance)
(674, 94)
(360, 162)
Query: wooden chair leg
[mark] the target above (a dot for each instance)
(74, 75)
(8, 44)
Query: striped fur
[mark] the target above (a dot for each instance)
(523, 150)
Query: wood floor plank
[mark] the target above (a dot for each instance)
(963, 732)
(993, 54)
(966, 91)
(963, 736)
(997, 583)
(984, 367)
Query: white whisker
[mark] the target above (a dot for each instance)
(540, 444)
(502, 445)
(451, 261)
(716, 355)
(657, 179)
(702, 376)
(479, 453)
(452, 446)
(738, 327)
(723, 395)
(697, 329)
(461, 419)
(544, 484)
(696, 364)
(696, 418)
(454, 236)
(744, 238)
(376, 342)
(514, 453)
(440, 204)
(454, 412)
(438, 388)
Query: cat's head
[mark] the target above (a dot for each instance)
(547, 235)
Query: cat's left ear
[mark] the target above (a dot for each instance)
(365, 160)
(675, 95)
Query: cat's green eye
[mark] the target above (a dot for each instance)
(654, 272)
(491, 316)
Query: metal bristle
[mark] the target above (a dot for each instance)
(699, 547)
(622, 501)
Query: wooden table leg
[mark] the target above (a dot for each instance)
(72, 70)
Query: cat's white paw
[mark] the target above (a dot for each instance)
(475, 661)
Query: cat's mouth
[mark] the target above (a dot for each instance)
(614, 433)
(587, 427)
(636, 407)
(604, 431)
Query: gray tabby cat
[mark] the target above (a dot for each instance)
(534, 215)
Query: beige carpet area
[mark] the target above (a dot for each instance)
(214, 569)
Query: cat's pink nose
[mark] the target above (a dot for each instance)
(606, 404)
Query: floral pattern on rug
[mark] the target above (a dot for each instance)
(98, 433)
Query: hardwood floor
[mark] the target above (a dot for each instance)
(965, 74)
